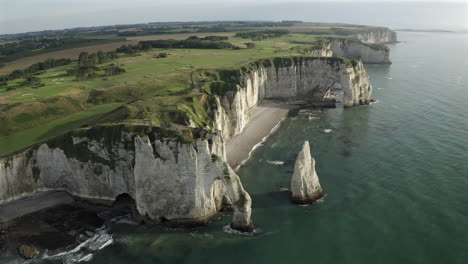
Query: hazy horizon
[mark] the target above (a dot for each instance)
(34, 15)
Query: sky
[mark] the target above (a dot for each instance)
(34, 15)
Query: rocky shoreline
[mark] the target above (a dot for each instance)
(57, 229)
(177, 178)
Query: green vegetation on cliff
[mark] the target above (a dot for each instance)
(167, 91)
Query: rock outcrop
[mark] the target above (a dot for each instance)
(170, 178)
(367, 53)
(27, 252)
(319, 81)
(181, 176)
(305, 185)
(377, 35)
(242, 213)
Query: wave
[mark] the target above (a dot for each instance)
(228, 229)
(124, 220)
(84, 251)
(259, 144)
(275, 162)
(86, 258)
(203, 235)
(321, 200)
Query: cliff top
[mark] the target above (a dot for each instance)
(150, 83)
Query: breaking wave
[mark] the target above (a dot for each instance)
(275, 162)
(84, 251)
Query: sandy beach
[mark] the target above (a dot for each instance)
(264, 119)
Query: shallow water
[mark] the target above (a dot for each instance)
(395, 174)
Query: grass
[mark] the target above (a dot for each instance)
(76, 43)
(158, 91)
(23, 139)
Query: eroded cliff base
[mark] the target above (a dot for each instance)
(308, 201)
(58, 229)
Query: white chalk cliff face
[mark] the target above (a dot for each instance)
(171, 178)
(377, 36)
(184, 183)
(359, 51)
(305, 185)
(316, 81)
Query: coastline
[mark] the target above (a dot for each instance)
(265, 120)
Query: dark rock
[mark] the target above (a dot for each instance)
(27, 252)
(50, 240)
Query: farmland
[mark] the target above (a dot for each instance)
(150, 87)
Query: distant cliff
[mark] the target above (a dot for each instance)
(319, 81)
(378, 35)
(367, 53)
(347, 47)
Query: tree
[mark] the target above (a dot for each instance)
(161, 55)
(83, 59)
(72, 71)
(113, 69)
(112, 55)
(92, 59)
(102, 58)
(86, 72)
(250, 45)
(32, 81)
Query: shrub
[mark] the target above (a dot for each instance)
(250, 45)
(113, 69)
(34, 82)
(161, 55)
(36, 68)
(262, 34)
(188, 44)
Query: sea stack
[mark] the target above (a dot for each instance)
(242, 212)
(305, 185)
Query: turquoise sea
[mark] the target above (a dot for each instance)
(395, 173)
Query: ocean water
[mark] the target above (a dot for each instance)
(395, 175)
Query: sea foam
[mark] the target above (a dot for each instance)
(275, 162)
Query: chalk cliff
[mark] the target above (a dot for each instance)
(181, 176)
(305, 185)
(377, 36)
(367, 53)
(171, 178)
(319, 81)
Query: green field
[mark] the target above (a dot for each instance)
(69, 44)
(151, 89)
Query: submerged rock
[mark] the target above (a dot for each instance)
(305, 185)
(27, 252)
